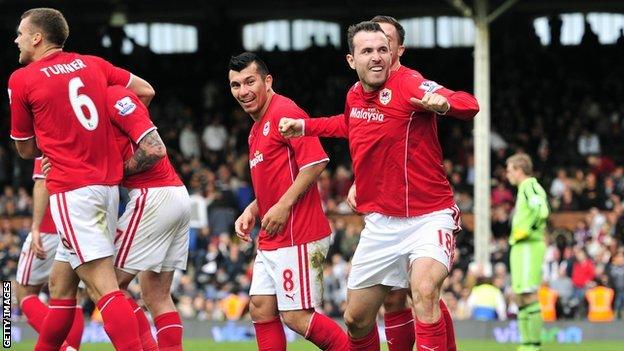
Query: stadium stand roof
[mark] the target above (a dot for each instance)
(250, 10)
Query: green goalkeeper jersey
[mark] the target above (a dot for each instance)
(531, 212)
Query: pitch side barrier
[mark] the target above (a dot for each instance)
(502, 332)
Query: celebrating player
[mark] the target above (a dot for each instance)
(294, 239)
(58, 106)
(527, 248)
(411, 215)
(152, 234)
(35, 263)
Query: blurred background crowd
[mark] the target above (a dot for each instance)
(559, 104)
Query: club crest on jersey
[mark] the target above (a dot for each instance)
(385, 96)
(257, 159)
(125, 106)
(267, 127)
(429, 86)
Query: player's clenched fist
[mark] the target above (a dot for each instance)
(432, 102)
(290, 127)
(244, 223)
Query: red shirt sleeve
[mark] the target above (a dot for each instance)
(463, 105)
(114, 75)
(307, 150)
(127, 113)
(331, 127)
(37, 172)
(21, 117)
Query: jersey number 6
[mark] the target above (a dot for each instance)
(77, 101)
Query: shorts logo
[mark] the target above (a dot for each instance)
(385, 96)
(125, 106)
(267, 127)
(291, 296)
(429, 86)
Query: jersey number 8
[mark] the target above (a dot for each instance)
(77, 101)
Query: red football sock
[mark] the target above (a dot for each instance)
(169, 331)
(75, 333)
(35, 311)
(270, 335)
(400, 331)
(56, 325)
(326, 334)
(119, 321)
(145, 332)
(368, 343)
(431, 336)
(450, 331)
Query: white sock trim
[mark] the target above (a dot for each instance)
(170, 326)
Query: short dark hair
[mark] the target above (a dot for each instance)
(393, 21)
(242, 61)
(364, 26)
(51, 22)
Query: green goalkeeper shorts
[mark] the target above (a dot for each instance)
(526, 259)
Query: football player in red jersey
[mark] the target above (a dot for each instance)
(57, 103)
(35, 263)
(413, 224)
(293, 241)
(152, 234)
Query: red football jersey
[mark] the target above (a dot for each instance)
(60, 100)
(275, 162)
(47, 223)
(131, 123)
(397, 158)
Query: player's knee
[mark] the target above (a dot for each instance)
(357, 321)
(260, 309)
(395, 302)
(296, 320)
(427, 291)
(153, 297)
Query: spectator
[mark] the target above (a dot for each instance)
(215, 135)
(616, 275)
(189, 142)
(486, 301)
(588, 143)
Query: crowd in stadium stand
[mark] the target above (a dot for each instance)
(570, 120)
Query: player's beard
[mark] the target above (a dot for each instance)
(371, 83)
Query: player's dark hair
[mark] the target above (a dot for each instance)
(365, 26)
(242, 61)
(391, 20)
(51, 22)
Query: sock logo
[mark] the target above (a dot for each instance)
(433, 348)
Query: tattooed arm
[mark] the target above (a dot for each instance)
(151, 150)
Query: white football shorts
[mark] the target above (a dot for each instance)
(294, 274)
(153, 232)
(389, 245)
(85, 218)
(32, 270)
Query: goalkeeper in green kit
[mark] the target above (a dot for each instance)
(527, 248)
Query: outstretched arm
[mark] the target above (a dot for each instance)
(331, 127)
